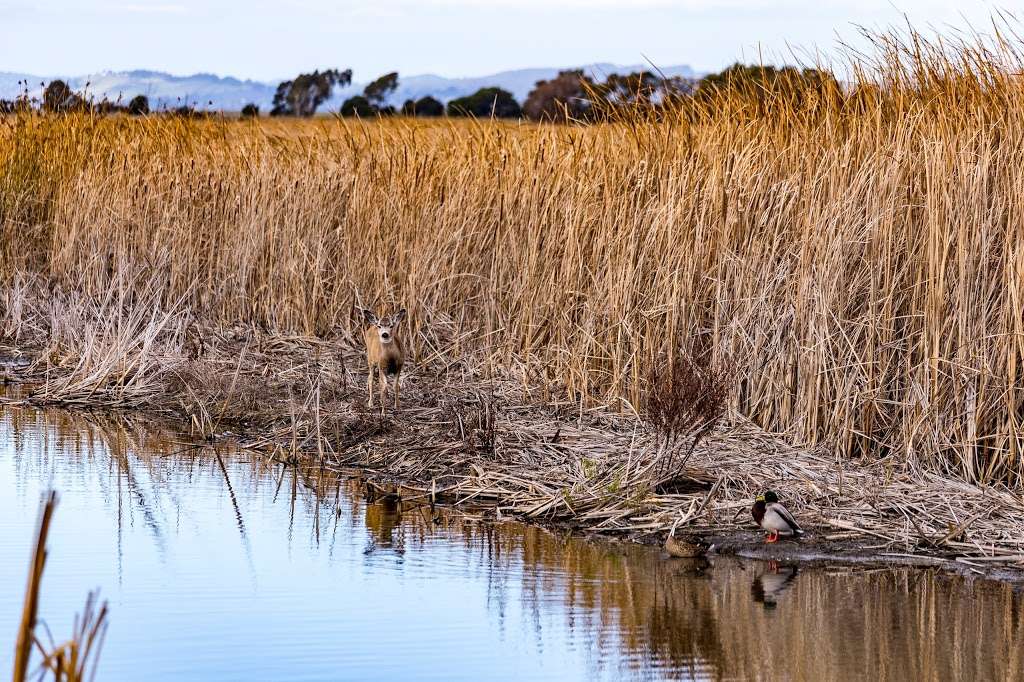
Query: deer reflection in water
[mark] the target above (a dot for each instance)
(382, 517)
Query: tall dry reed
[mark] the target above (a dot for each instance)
(855, 251)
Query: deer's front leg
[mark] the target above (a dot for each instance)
(397, 388)
(369, 384)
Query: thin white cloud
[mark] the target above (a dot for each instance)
(140, 8)
(682, 5)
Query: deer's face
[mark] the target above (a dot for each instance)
(384, 330)
(385, 326)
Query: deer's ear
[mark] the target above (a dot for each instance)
(399, 316)
(368, 316)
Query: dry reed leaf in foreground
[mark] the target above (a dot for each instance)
(74, 660)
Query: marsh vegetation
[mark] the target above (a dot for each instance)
(850, 254)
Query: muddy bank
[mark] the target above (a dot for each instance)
(821, 551)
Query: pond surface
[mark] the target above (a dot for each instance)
(221, 566)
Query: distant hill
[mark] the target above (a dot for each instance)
(202, 90)
(208, 91)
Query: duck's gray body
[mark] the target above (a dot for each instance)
(777, 518)
(769, 513)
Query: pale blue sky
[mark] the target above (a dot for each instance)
(270, 39)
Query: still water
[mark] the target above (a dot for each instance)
(221, 566)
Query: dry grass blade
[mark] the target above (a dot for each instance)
(76, 659)
(27, 629)
(71, 661)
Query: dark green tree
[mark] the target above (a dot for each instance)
(59, 97)
(250, 111)
(377, 92)
(358, 106)
(139, 105)
(425, 106)
(486, 102)
(302, 96)
(428, 106)
(763, 84)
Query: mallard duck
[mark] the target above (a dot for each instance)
(773, 517)
(689, 547)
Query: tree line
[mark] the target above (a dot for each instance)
(572, 95)
(59, 98)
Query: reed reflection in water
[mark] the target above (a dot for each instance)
(221, 565)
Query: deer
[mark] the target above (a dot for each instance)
(385, 354)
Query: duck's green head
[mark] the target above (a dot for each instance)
(770, 497)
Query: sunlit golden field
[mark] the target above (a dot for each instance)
(855, 254)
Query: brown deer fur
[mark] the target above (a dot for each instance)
(385, 354)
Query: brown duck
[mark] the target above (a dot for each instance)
(689, 547)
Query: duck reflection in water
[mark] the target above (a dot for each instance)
(696, 567)
(769, 584)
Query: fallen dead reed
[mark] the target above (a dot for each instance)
(851, 254)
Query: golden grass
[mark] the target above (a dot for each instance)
(857, 255)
